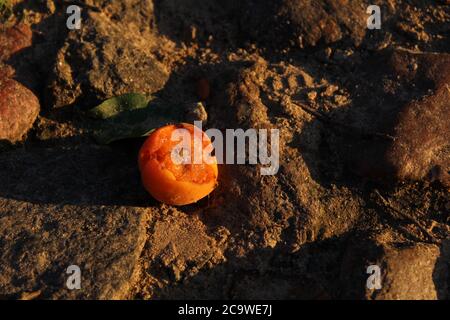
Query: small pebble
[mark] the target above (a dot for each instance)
(195, 112)
(312, 95)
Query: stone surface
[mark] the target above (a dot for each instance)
(102, 61)
(6, 71)
(306, 24)
(419, 272)
(14, 39)
(43, 232)
(414, 112)
(39, 243)
(327, 21)
(19, 108)
(407, 271)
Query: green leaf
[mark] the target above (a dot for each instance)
(135, 115)
(114, 106)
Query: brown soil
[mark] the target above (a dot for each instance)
(363, 179)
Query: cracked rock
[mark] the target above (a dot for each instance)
(102, 61)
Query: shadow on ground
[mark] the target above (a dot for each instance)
(85, 175)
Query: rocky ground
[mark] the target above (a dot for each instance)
(364, 145)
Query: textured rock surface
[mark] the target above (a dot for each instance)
(407, 272)
(19, 108)
(414, 273)
(414, 112)
(39, 243)
(6, 72)
(327, 21)
(42, 233)
(102, 61)
(307, 23)
(14, 39)
(311, 230)
(423, 126)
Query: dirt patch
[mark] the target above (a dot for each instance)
(363, 170)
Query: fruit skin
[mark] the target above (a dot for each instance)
(170, 183)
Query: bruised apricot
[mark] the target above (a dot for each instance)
(177, 172)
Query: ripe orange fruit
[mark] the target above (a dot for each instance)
(177, 182)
